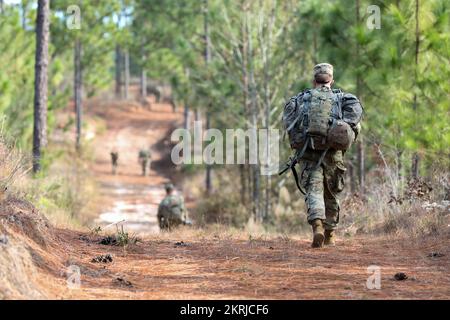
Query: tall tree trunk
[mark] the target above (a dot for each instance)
(360, 144)
(242, 175)
(267, 105)
(187, 111)
(254, 124)
(143, 84)
(78, 84)
(246, 174)
(399, 170)
(416, 158)
(250, 110)
(206, 37)
(127, 74)
(198, 146)
(143, 76)
(256, 192)
(197, 115)
(41, 82)
(24, 5)
(187, 117)
(207, 53)
(2, 6)
(118, 69)
(256, 185)
(351, 169)
(415, 165)
(361, 165)
(208, 179)
(250, 189)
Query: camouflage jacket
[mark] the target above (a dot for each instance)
(172, 206)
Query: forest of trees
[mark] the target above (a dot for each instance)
(235, 63)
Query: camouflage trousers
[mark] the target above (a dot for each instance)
(144, 164)
(169, 222)
(323, 187)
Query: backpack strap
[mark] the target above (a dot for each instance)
(338, 97)
(299, 154)
(322, 156)
(292, 163)
(297, 182)
(295, 101)
(305, 119)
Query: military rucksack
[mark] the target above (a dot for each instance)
(320, 119)
(171, 207)
(314, 119)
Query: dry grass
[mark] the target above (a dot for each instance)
(13, 167)
(390, 205)
(23, 231)
(65, 191)
(420, 208)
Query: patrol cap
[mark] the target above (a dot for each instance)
(169, 186)
(323, 68)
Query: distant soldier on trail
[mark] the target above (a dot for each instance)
(145, 158)
(171, 210)
(322, 123)
(114, 160)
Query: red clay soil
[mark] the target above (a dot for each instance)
(206, 264)
(226, 266)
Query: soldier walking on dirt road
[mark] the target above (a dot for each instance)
(321, 123)
(114, 160)
(145, 158)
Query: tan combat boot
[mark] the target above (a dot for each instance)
(318, 231)
(330, 238)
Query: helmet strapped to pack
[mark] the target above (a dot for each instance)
(341, 135)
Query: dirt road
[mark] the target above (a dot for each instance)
(193, 263)
(129, 196)
(226, 266)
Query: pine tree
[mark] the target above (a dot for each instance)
(41, 82)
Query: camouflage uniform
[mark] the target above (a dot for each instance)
(145, 159)
(324, 184)
(171, 212)
(114, 161)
